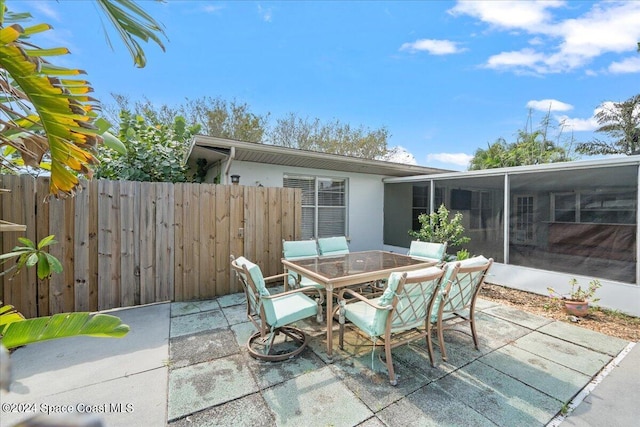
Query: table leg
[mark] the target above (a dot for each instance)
(329, 290)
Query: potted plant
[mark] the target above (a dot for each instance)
(576, 302)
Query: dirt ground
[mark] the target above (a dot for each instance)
(605, 321)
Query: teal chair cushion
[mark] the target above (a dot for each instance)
(291, 308)
(427, 250)
(299, 249)
(256, 275)
(333, 245)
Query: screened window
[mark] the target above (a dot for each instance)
(420, 204)
(595, 207)
(324, 205)
(481, 210)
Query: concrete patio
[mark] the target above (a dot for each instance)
(184, 364)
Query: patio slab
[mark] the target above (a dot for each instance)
(198, 322)
(197, 387)
(585, 337)
(317, 398)
(542, 374)
(518, 317)
(499, 397)
(201, 347)
(565, 353)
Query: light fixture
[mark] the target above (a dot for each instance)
(235, 179)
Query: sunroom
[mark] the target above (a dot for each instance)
(542, 224)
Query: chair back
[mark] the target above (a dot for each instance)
(297, 249)
(250, 275)
(410, 295)
(428, 250)
(333, 245)
(462, 283)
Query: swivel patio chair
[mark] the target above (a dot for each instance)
(333, 245)
(272, 314)
(457, 301)
(428, 251)
(397, 317)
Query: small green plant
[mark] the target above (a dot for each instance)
(437, 227)
(30, 255)
(578, 294)
(462, 254)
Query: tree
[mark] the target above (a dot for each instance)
(155, 150)
(530, 148)
(45, 110)
(621, 122)
(332, 137)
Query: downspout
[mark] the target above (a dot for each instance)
(232, 155)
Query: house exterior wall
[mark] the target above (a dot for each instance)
(364, 194)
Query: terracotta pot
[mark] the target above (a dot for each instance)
(577, 308)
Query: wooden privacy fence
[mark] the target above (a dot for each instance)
(128, 243)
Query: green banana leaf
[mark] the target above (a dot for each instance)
(28, 331)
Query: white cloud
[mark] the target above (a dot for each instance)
(549, 105)
(578, 125)
(434, 47)
(266, 14)
(608, 27)
(212, 8)
(460, 159)
(628, 65)
(508, 14)
(45, 9)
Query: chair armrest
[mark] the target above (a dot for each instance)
(293, 291)
(277, 276)
(360, 298)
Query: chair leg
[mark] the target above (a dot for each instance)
(472, 321)
(443, 350)
(430, 344)
(392, 375)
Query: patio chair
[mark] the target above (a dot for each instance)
(272, 314)
(428, 251)
(333, 245)
(457, 300)
(399, 316)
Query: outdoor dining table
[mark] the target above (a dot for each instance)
(339, 271)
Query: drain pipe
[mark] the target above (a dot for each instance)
(232, 155)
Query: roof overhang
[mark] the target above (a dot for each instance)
(543, 168)
(215, 149)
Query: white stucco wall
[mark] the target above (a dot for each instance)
(365, 197)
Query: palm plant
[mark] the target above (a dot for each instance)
(621, 121)
(45, 109)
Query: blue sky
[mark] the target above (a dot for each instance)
(444, 77)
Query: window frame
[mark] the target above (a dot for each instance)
(316, 206)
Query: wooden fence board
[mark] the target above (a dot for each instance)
(207, 262)
(180, 294)
(147, 227)
(191, 242)
(275, 233)
(42, 231)
(92, 213)
(222, 239)
(129, 282)
(165, 236)
(81, 250)
(236, 231)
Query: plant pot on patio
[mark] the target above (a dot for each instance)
(577, 308)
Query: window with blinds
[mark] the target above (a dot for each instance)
(324, 205)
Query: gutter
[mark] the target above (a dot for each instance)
(227, 166)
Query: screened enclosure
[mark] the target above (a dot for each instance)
(562, 218)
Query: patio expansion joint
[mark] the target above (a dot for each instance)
(582, 394)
